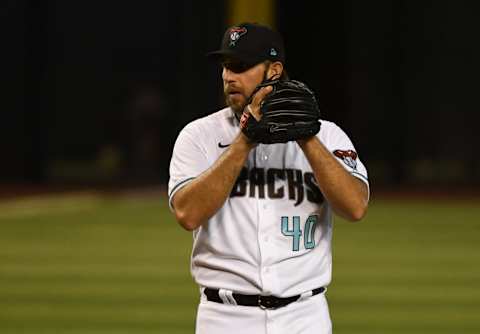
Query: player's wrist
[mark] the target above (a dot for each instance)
(244, 142)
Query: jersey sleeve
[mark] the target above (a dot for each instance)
(189, 160)
(342, 148)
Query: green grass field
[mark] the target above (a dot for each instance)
(92, 264)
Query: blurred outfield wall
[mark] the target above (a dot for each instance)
(97, 93)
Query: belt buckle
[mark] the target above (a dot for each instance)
(267, 302)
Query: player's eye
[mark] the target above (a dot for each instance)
(235, 67)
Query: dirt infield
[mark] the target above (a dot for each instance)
(431, 193)
(22, 190)
(442, 193)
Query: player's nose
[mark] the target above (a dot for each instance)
(228, 75)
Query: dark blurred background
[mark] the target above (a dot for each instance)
(95, 93)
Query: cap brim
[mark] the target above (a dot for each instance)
(220, 55)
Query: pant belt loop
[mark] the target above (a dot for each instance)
(305, 295)
(203, 296)
(227, 297)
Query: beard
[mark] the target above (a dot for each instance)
(236, 105)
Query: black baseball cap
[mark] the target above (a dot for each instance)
(250, 43)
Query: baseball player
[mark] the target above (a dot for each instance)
(260, 198)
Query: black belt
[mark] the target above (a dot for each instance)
(264, 302)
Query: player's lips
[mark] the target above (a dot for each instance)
(233, 94)
(233, 89)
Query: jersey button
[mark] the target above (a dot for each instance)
(265, 157)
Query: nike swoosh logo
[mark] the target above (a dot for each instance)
(223, 146)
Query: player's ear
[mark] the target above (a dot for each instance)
(275, 70)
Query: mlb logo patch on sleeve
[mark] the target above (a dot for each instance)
(349, 157)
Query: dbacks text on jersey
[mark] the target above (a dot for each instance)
(265, 181)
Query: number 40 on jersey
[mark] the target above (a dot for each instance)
(296, 232)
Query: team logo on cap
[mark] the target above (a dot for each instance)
(236, 33)
(349, 157)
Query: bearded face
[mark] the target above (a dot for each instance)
(235, 98)
(239, 83)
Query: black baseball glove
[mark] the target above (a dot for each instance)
(289, 112)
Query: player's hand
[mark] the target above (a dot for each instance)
(254, 107)
(281, 111)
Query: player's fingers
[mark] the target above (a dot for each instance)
(255, 112)
(258, 98)
(254, 107)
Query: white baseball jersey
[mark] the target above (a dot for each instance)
(273, 234)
